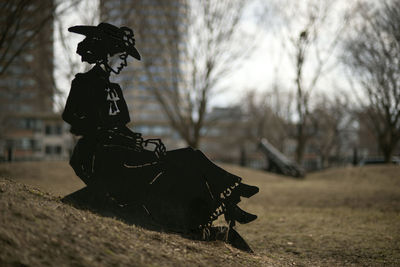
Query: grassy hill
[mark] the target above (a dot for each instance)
(346, 216)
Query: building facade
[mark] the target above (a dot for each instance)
(27, 85)
(29, 128)
(158, 26)
(36, 136)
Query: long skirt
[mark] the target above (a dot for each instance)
(182, 190)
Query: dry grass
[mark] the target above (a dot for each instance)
(335, 217)
(55, 177)
(347, 216)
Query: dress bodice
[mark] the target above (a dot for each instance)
(94, 102)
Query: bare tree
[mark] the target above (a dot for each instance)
(26, 28)
(67, 62)
(331, 117)
(268, 116)
(372, 53)
(18, 30)
(203, 38)
(311, 46)
(212, 49)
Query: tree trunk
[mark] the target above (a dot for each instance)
(387, 144)
(193, 143)
(323, 161)
(300, 144)
(387, 151)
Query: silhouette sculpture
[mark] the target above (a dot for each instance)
(134, 179)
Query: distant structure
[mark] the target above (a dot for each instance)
(278, 162)
(156, 24)
(29, 128)
(36, 136)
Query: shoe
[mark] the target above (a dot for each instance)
(234, 213)
(246, 190)
(243, 190)
(230, 236)
(237, 241)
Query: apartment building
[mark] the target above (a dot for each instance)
(29, 128)
(158, 27)
(36, 136)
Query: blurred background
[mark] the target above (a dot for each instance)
(318, 83)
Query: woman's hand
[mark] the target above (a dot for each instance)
(159, 149)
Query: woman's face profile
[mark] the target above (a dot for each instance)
(117, 62)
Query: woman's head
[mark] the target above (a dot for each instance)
(105, 41)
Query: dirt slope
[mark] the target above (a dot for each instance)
(337, 217)
(36, 229)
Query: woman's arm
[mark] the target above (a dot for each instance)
(71, 104)
(77, 108)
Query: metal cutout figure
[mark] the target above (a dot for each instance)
(181, 190)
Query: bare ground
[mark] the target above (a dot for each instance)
(346, 216)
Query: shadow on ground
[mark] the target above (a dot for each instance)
(107, 206)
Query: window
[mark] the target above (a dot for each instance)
(31, 82)
(48, 130)
(142, 87)
(53, 129)
(144, 129)
(143, 78)
(38, 126)
(58, 150)
(29, 58)
(58, 129)
(160, 130)
(25, 143)
(53, 150)
(22, 108)
(153, 106)
(32, 143)
(35, 145)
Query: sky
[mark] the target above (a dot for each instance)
(273, 60)
(81, 15)
(268, 63)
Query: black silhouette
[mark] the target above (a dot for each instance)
(134, 179)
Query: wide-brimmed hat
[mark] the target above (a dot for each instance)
(119, 38)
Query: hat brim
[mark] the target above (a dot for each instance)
(86, 30)
(132, 51)
(95, 31)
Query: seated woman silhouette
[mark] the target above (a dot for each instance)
(179, 189)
